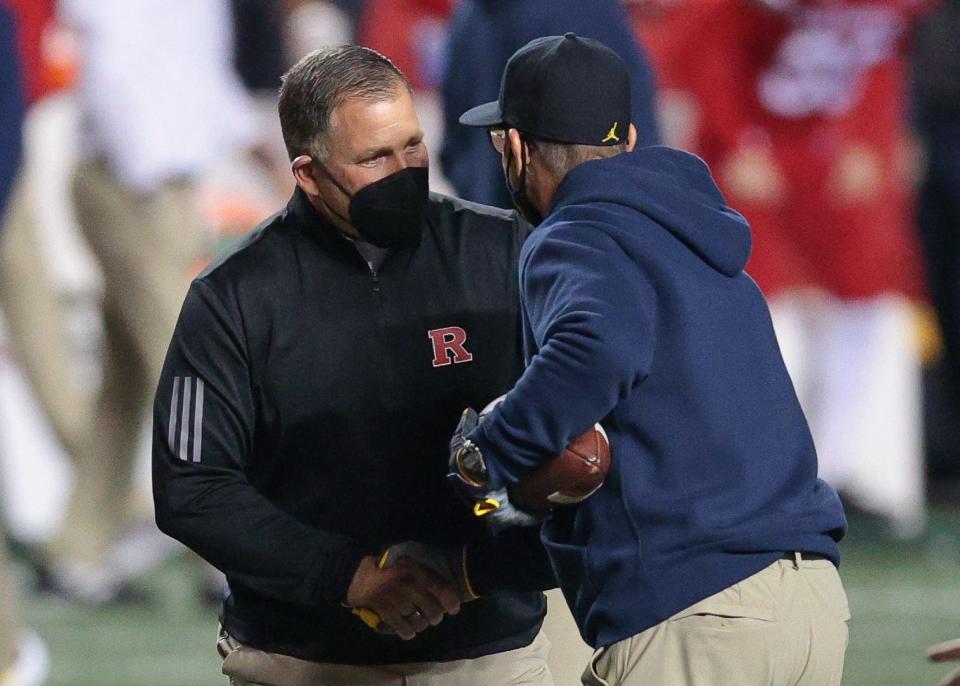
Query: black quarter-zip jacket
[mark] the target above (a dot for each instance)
(302, 421)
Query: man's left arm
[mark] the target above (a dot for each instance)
(592, 313)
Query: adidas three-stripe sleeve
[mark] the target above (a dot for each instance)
(203, 433)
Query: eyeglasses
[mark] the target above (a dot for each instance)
(498, 139)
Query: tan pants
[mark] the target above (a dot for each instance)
(36, 321)
(9, 624)
(8, 613)
(147, 247)
(248, 666)
(784, 626)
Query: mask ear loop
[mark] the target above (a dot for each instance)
(523, 170)
(522, 188)
(509, 160)
(333, 178)
(329, 175)
(522, 202)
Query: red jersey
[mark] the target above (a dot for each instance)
(32, 17)
(412, 33)
(818, 87)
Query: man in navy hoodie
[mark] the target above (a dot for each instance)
(710, 554)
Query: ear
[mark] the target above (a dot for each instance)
(517, 148)
(631, 138)
(306, 175)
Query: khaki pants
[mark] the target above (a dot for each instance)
(248, 666)
(784, 626)
(8, 613)
(9, 619)
(36, 321)
(147, 247)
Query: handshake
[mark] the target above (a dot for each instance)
(410, 587)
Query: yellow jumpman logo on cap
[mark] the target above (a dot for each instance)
(612, 135)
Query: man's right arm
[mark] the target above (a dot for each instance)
(202, 438)
(203, 433)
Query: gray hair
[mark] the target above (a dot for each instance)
(320, 82)
(561, 158)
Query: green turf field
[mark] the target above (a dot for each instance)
(904, 596)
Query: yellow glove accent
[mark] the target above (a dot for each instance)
(485, 506)
(369, 617)
(466, 577)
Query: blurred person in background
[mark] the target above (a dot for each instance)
(353, 9)
(948, 651)
(799, 106)
(413, 34)
(159, 103)
(253, 182)
(936, 83)
(482, 36)
(259, 43)
(312, 24)
(29, 297)
(269, 37)
(23, 659)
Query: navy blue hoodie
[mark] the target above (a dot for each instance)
(637, 312)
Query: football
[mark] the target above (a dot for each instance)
(570, 477)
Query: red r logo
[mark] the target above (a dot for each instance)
(448, 346)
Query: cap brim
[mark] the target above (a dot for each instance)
(487, 114)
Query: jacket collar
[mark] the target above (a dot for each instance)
(316, 225)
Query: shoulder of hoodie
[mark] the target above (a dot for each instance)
(565, 230)
(596, 225)
(581, 221)
(569, 249)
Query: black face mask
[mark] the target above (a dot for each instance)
(389, 213)
(520, 198)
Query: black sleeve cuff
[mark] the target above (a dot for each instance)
(514, 560)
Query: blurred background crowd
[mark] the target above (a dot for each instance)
(139, 138)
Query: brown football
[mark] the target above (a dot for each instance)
(571, 477)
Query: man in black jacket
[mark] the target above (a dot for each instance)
(301, 418)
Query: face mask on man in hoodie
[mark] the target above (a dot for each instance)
(518, 189)
(543, 126)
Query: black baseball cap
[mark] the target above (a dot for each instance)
(566, 88)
